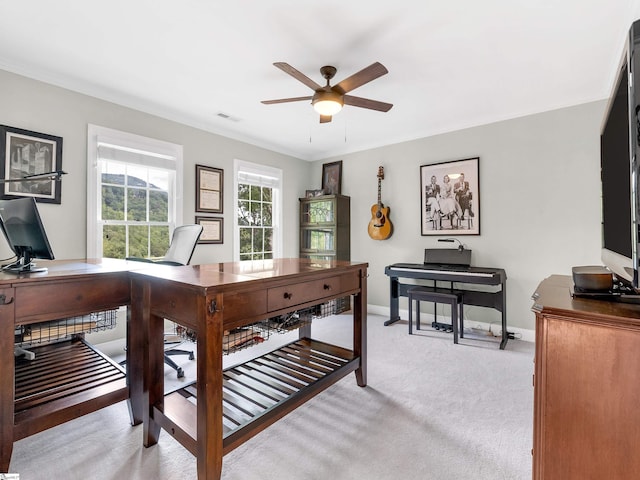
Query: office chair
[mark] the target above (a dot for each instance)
(183, 243)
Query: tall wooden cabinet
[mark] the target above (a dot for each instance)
(586, 386)
(325, 234)
(325, 226)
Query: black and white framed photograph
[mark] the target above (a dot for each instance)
(24, 153)
(209, 189)
(450, 197)
(212, 229)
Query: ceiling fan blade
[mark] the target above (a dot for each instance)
(367, 103)
(285, 67)
(325, 118)
(285, 100)
(365, 75)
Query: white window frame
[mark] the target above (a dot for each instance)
(242, 166)
(165, 151)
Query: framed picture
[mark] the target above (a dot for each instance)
(209, 189)
(450, 198)
(212, 229)
(332, 177)
(24, 153)
(314, 193)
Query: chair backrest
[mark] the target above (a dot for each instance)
(183, 243)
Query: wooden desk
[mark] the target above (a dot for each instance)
(212, 298)
(68, 289)
(586, 421)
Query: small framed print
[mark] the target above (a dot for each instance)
(24, 153)
(209, 189)
(314, 193)
(212, 229)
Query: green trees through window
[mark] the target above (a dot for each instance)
(134, 212)
(255, 221)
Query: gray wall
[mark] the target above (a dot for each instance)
(539, 200)
(40, 107)
(539, 187)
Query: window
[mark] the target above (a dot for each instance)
(134, 194)
(258, 211)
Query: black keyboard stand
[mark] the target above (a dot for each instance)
(468, 276)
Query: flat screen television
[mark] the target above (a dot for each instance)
(619, 150)
(22, 227)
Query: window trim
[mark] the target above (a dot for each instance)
(166, 150)
(257, 169)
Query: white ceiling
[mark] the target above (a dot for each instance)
(452, 64)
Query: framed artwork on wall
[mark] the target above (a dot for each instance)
(24, 153)
(212, 229)
(332, 178)
(209, 189)
(450, 198)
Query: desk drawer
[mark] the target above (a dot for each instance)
(284, 297)
(182, 305)
(242, 305)
(56, 300)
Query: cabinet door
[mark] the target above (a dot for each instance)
(587, 384)
(318, 212)
(317, 240)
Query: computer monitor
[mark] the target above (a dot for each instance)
(23, 229)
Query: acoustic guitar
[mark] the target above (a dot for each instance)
(380, 227)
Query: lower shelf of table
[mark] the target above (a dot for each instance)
(65, 380)
(257, 393)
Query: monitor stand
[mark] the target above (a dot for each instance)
(23, 265)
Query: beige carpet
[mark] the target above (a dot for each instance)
(431, 410)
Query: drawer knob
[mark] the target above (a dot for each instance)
(288, 295)
(327, 286)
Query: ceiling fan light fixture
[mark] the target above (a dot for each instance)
(327, 103)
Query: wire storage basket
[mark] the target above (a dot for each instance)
(255, 333)
(54, 330)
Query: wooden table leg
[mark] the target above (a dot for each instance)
(153, 366)
(135, 347)
(209, 381)
(7, 376)
(360, 329)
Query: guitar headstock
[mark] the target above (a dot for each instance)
(381, 173)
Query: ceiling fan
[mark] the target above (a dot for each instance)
(329, 100)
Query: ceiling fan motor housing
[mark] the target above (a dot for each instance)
(328, 72)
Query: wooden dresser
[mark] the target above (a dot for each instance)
(586, 386)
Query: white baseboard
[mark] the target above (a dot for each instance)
(495, 328)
